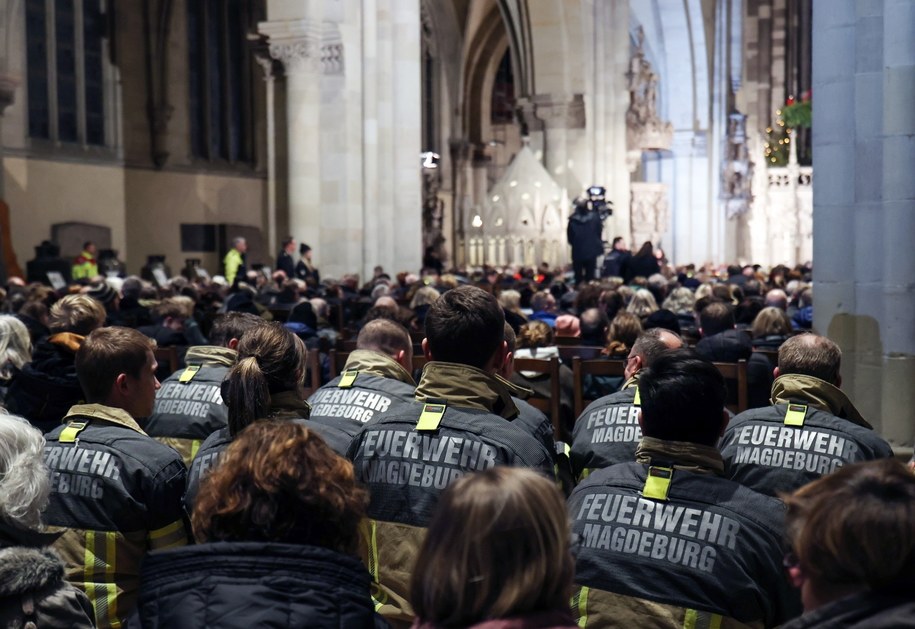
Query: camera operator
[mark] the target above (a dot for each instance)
(584, 233)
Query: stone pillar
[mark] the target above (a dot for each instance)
(864, 203)
(560, 113)
(7, 91)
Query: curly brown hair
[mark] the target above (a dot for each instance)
(280, 482)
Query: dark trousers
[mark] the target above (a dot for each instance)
(584, 270)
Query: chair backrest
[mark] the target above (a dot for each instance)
(596, 367)
(585, 352)
(313, 364)
(565, 340)
(167, 357)
(736, 376)
(346, 345)
(551, 406)
(336, 360)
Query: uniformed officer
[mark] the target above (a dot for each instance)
(666, 540)
(189, 406)
(115, 492)
(458, 424)
(608, 432)
(811, 429)
(375, 378)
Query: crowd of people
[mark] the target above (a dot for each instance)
(229, 491)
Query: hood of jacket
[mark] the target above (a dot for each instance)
(288, 405)
(210, 355)
(56, 355)
(681, 454)
(377, 364)
(24, 569)
(104, 413)
(791, 387)
(467, 387)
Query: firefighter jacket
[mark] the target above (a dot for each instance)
(530, 418)
(458, 424)
(812, 430)
(284, 406)
(115, 494)
(189, 406)
(667, 541)
(607, 432)
(371, 384)
(85, 267)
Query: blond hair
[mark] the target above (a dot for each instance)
(535, 334)
(79, 314)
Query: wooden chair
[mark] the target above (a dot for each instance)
(562, 341)
(313, 363)
(736, 376)
(337, 361)
(345, 345)
(167, 357)
(597, 367)
(550, 407)
(585, 352)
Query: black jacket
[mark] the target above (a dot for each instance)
(733, 345)
(286, 264)
(46, 388)
(640, 266)
(242, 585)
(607, 432)
(892, 609)
(584, 234)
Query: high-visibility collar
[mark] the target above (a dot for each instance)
(103, 413)
(466, 387)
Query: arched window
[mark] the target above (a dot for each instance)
(66, 92)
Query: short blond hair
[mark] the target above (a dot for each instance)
(79, 314)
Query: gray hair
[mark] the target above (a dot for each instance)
(24, 478)
(680, 301)
(15, 345)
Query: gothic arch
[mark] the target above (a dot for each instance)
(486, 48)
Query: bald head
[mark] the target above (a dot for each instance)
(387, 337)
(810, 355)
(386, 302)
(648, 346)
(777, 298)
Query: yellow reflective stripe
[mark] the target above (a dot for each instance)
(347, 379)
(88, 571)
(431, 417)
(195, 446)
(585, 473)
(580, 606)
(168, 536)
(795, 414)
(637, 401)
(110, 558)
(379, 598)
(657, 484)
(68, 434)
(696, 619)
(188, 374)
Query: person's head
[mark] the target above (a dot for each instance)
(645, 250)
(389, 338)
(424, 296)
(543, 302)
(15, 345)
(511, 341)
(79, 314)
(280, 482)
(680, 301)
(683, 399)
(270, 360)
(90, 247)
(853, 531)
(387, 302)
(777, 298)
(642, 304)
(716, 318)
(611, 302)
(510, 300)
(594, 324)
(465, 325)
(24, 479)
(288, 245)
(648, 346)
(619, 243)
(534, 334)
(810, 355)
(305, 251)
(624, 330)
(116, 367)
(497, 546)
(568, 326)
(240, 244)
(172, 312)
(229, 328)
(771, 322)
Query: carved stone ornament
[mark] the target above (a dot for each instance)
(737, 169)
(650, 212)
(645, 131)
(305, 47)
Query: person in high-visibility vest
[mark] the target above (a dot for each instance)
(85, 265)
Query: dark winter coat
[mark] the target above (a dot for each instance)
(584, 234)
(640, 266)
(240, 585)
(869, 610)
(32, 585)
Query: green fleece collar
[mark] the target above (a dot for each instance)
(286, 403)
(792, 387)
(681, 454)
(210, 356)
(467, 387)
(104, 413)
(377, 364)
(516, 390)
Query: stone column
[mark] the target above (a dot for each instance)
(296, 44)
(7, 91)
(864, 203)
(560, 113)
